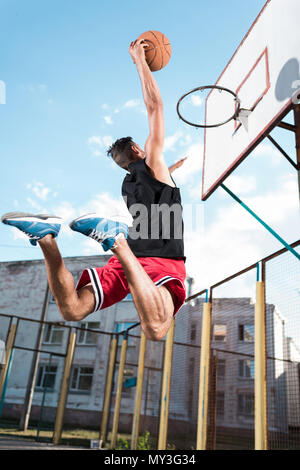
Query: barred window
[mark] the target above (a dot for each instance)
(88, 337)
(246, 404)
(219, 332)
(53, 334)
(221, 368)
(46, 377)
(193, 332)
(81, 379)
(246, 333)
(246, 368)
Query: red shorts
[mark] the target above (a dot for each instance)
(110, 284)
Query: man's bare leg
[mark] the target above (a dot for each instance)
(154, 304)
(73, 305)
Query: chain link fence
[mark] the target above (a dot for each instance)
(75, 379)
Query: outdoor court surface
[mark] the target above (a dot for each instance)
(7, 443)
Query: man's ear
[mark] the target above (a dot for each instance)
(134, 149)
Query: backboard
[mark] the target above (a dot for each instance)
(265, 73)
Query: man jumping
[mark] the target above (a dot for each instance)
(150, 266)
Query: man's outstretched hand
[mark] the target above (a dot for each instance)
(177, 165)
(137, 50)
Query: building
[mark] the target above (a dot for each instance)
(22, 292)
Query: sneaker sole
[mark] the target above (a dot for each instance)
(23, 216)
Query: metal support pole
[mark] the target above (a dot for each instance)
(165, 392)
(261, 425)
(24, 420)
(297, 135)
(108, 388)
(2, 397)
(64, 388)
(39, 425)
(279, 238)
(9, 347)
(119, 392)
(204, 377)
(138, 393)
(212, 403)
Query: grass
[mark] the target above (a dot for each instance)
(72, 437)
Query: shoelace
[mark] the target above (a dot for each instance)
(33, 237)
(98, 236)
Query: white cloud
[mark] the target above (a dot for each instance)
(241, 184)
(17, 234)
(192, 165)
(107, 206)
(91, 247)
(268, 150)
(132, 103)
(137, 104)
(171, 140)
(33, 203)
(98, 143)
(108, 119)
(39, 190)
(104, 106)
(65, 210)
(196, 100)
(95, 140)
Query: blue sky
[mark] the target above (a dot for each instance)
(71, 88)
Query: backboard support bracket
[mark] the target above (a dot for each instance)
(271, 139)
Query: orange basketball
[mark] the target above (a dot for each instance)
(158, 52)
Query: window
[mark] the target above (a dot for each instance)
(220, 404)
(246, 404)
(88, 337)
(46, 377)
(122, 327)
(193, 332)
(219, 332)
(81, 379)
(53, 334)
(246, 333)
(246, 368)
(221, 368)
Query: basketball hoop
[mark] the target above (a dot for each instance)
(236, 105)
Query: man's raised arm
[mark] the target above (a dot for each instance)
(154, 105)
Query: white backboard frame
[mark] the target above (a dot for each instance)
(263, 72)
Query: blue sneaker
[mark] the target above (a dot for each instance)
(102, 230)
(34, 226)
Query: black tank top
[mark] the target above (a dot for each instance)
(156, 209)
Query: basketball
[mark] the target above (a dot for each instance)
(158, 52)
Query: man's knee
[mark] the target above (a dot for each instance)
(157, 331)
(79, 306)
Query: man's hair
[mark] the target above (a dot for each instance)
(121, 147)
